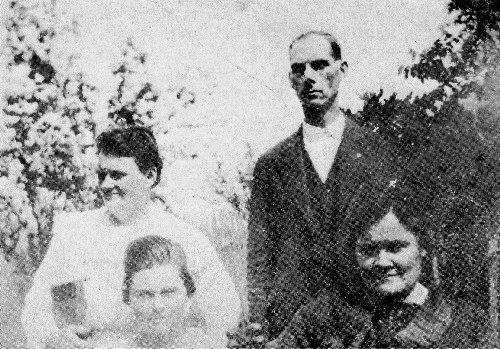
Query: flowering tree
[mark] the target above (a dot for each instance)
(134, 100)
(233, 181)
(47, 156)
(180, 129)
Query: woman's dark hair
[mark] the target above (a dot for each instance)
(153, 251)
(371, 207)
(373, 202)
(134, 141)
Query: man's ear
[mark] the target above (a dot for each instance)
(293, 83)
(344, 67)
(152, 176)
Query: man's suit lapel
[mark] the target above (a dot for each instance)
(347, 166)
(296, 179)
(347, 155)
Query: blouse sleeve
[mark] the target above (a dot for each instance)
(37, 317)
(216, 296)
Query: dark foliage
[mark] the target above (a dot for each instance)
(447, 150)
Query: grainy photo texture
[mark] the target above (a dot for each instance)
(249, 174)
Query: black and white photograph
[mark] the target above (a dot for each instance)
(249, 174)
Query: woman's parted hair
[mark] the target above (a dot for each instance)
(152, 251)
(409, 205)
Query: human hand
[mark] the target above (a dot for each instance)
(71, 336)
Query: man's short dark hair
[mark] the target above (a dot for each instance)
(137, 142)
(154, 251)
(334, 44)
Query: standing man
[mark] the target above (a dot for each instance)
(301, 188)
(85, 256)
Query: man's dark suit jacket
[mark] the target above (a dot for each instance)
(293, 240)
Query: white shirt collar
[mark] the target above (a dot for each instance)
(333, 129)
(418, 295)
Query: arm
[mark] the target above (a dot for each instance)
(215, 295)
(37, 316)
(261, 244)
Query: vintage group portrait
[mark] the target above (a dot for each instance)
(249, 174)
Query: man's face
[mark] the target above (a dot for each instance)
(315, 75)
(389, 257)
(124, 187)
(159, 300)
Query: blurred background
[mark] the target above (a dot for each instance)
(211, 79)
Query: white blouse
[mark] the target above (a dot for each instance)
(87, 247)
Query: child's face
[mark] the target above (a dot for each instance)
(159, 299)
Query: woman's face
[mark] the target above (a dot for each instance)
(389, 257)
(159, 299)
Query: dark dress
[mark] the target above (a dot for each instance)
(331, 322)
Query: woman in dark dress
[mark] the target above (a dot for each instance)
(384, 299)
